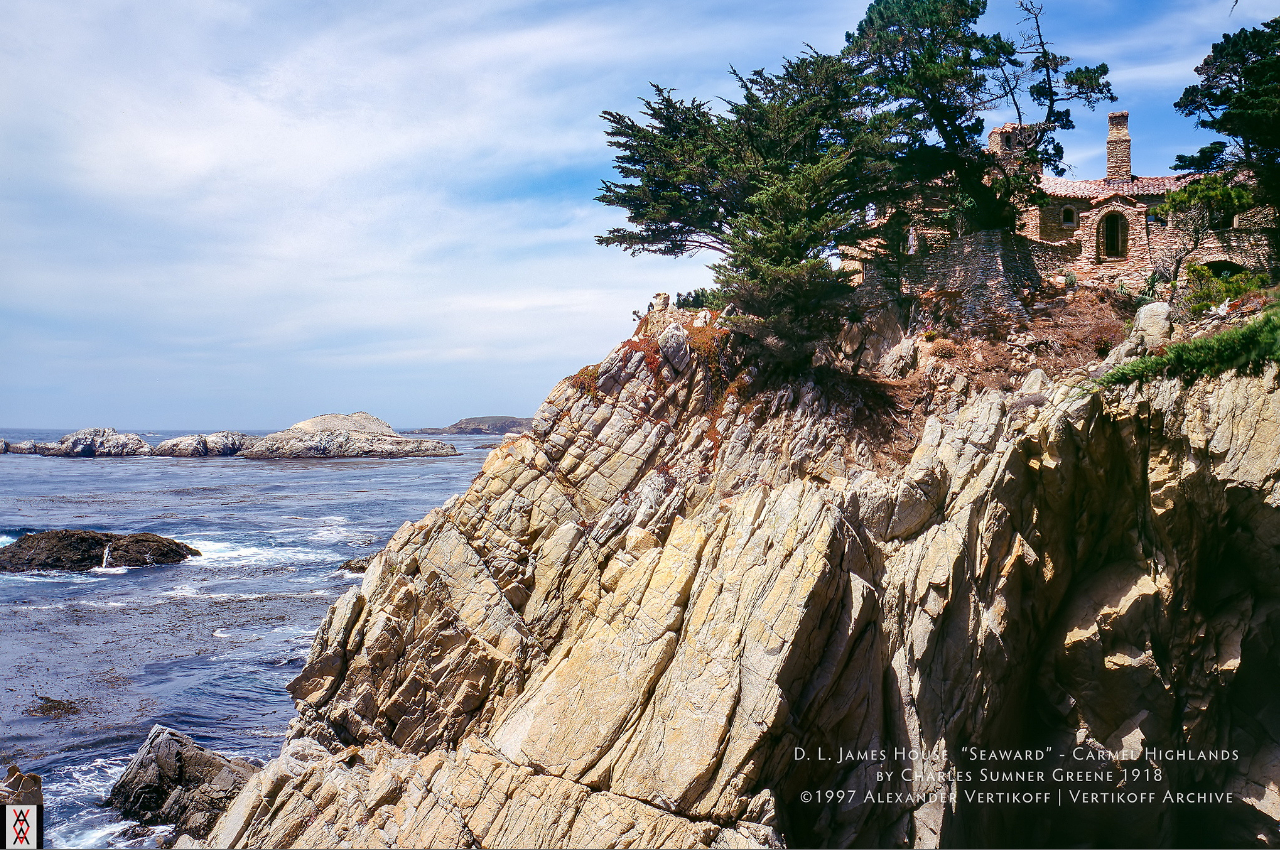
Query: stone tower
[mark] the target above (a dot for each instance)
(1119, 165)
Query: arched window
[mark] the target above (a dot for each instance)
(1069, 216)
(1115, 235)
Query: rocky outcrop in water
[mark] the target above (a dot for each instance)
(330, 435)
(88, 442)
(79, 550)
(357, 565)
(671, 615)
(219, 444)
(343, 435)
(174, 780)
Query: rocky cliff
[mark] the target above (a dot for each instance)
(682, 614)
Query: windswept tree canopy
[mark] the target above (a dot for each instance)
(1239, 96)
(775, 182)
(779, 180)
(926, 61)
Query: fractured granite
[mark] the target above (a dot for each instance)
(650, 615)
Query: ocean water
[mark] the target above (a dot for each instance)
(93, 660)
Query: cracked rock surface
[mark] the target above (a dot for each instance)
(649, 615)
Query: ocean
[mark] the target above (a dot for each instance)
(92, 660)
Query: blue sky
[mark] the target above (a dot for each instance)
(242, 213)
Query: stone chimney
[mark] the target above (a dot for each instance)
(1119, 165)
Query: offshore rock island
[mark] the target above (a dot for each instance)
(339, 435)
(642, 612)
(80, 550)
(329, 435)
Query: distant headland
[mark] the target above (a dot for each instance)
(480, 425)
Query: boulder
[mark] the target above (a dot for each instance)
(1152, 324)
(80, 550)
(21, 789)
(223, 443)
(1036, 381)
(900, 360)
(358, 565)
(25, 447)
(218, 444)
(95, 442)
(343, 435)
(877, 343)
(192, 445)
(172, 779)
(674, 345)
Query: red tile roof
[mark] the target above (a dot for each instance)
(1060, 187)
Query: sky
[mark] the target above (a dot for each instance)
(243, 213)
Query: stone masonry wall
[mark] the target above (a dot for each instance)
(1119, 166)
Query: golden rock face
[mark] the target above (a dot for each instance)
(664, 614)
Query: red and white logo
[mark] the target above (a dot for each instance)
(23, 826)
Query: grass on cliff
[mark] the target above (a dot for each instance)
(1248, 349)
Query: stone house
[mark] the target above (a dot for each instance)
(1101, 232)
(1107, 231)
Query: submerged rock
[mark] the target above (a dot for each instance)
(88, 442)
(357, 565)
(344, 435)
(80, 550)
(174, 780)
(218, 444)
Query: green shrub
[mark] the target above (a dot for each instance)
(944, 349)
(1248, 349)
(710, 299)
(585, 381)
(1149, 291)
(1205, 290)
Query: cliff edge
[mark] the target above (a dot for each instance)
(683, 614)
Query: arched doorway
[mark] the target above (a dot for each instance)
(1224, 268)
(1115, 235)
